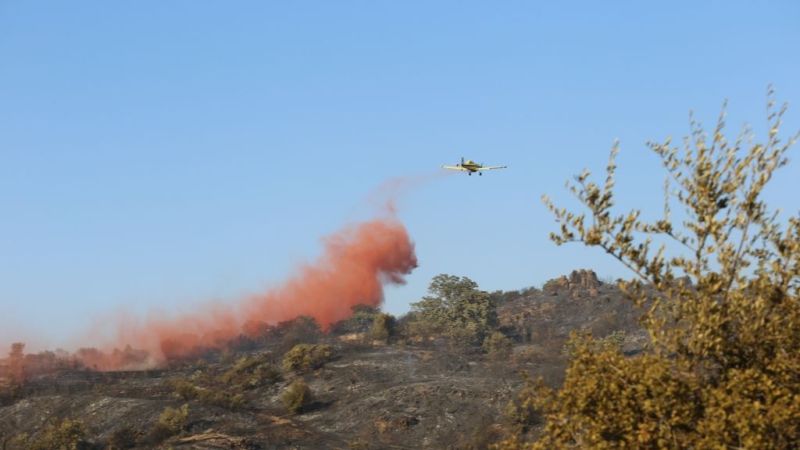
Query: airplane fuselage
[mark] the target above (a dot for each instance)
(471, 167)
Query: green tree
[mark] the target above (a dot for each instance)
(456, 308)
(721, 305)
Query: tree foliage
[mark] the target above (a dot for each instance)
(383, 327)
(359, 322)
(456, 308)
(720, 294)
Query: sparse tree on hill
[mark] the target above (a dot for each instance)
(457, 309)
(724, 320)
(383, 326)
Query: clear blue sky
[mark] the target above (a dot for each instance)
(166, 153)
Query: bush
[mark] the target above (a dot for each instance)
(383, 327)
(227, 390)
(170, 422)
(123, 438)
(522, 411)
(185, 389)
(611, 343)
(250, 372)
(295, 331)
(360, 322)
(722, 310)
(305, 357)
(65, 435)
(174, 419)
(296, 396)
(498, 346)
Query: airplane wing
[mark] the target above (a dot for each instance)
(454, 168)
(492, 167)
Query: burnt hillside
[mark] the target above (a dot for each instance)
(407, 393)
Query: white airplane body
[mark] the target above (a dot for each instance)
(471, 167)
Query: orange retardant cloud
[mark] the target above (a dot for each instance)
(356, 264)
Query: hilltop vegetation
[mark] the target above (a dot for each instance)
(372, 381)
(720, 303)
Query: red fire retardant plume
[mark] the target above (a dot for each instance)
(356, 264)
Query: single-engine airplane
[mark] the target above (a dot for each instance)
(471, 167)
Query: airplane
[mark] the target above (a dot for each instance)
(471, 167)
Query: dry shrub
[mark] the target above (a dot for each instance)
(383, 327)
(296, 396)
(721, 306)
(306, 357)
(123, 438)
(251, 372)
(227, 390)
(498, 346)
(67, 435)
(170, 422)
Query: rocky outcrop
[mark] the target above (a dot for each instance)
(578, 283)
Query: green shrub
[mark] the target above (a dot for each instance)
(174, 419)
(611, 343)
(185, 388)
(305, 357)
(221, 397)
(170, 422)
(721, 303)
(65, 435)
(251, 372)
(227, 390)
(296, 396)
(498, 346)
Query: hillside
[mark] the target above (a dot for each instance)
(409, 393)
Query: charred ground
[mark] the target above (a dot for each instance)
(351, 389)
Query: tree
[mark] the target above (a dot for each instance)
(360, 322)
(720, 300)
(456, 308)
(383, 327)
